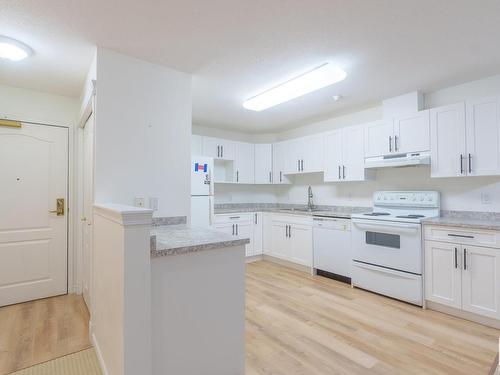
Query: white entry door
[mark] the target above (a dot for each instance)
(33, 235)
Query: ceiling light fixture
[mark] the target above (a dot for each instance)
(13, 50)
(324, 75)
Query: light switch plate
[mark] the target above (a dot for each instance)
(139, 202)
(486, 198)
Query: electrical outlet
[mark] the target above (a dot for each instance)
(486, 198)
(139, 202)
(154, 203)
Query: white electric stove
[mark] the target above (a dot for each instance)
(387, 243)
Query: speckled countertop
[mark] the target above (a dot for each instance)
(183, 239)
(342, 212)
(464, 222)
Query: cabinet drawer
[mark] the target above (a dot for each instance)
(475, 237)
(234, 218)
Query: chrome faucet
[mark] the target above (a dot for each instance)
(310, 204)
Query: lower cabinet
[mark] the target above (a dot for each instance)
(291, 240)
(463, 276)
(258, 233)
(238, 225)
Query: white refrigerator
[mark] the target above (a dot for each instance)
(202, 191)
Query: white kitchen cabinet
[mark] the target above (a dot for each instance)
(291, 239)
(403, 134)
(238, 225)
(244, 163)
(344, 155)
(448, 147)
(245, 229)
(460, 274)
(412, 133)
(280, 158)
(304, 155)
(267, 238)
(196, 145)
(443, 276)
(481, 281)
(218, 148)
(483, 136)
(378, 138)
(300, 244)
(263, 163)
(258, 234)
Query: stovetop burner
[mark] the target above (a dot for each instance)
(410, 216)
(377, 214)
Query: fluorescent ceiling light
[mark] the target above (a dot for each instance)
(317, 78)
(13, 50)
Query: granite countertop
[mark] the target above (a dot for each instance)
(183, 239)
(464, 222)
(338, 212)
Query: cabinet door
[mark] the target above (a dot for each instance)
(442, 273)
(379, 138)
(333, 156)
(258, 236)
(246, 230)
(279, 240)
(448, 141)
(483, 136)
(227, 228)
(353, 167)
(263, 164)
(481, 281)
(244, 163)
(312, 154)
(300, 241)
(267, 232)
(280, 156)
(196, 145)
(412, 133)
(212, 147)
(294, 154)
(228, 149)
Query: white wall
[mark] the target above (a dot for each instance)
(456, 193)
(39, 107)
(143, 133)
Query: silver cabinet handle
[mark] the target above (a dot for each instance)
(390, 143)
(233, 229)
(470, 163)
(237, 176)
(255, 218)
(298, 165)
(236, 229)
(281, 176)
(460, 235)
(340, 177)
(270, 176)
(461, 164)
(343, 172)
(302, 165)
(286, 230)
(396, 143)
(465, 259)
(290, 231)
(456, 258)
(218, 151)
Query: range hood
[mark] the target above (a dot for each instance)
(399, 160)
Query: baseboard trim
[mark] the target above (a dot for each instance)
(286, 263)
(490, 322)
(97, 349)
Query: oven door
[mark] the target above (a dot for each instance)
(388, 244)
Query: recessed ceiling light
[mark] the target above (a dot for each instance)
(13, 50)
(336, 98)
(324, 75)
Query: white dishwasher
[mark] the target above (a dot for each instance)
(332, 247)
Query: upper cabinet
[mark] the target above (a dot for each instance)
(196, 145)
(263, 163)
(483, 136)
(305, 155)
(218, 148)
(465, 139)
(280, 158)
(448, 147)
(344, 155)
(403, 134)
(244, 163)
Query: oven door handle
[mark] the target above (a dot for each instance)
(378, 225)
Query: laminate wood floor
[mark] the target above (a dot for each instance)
(302, 324)
(41, 330)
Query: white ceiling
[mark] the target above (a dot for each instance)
(238, 48)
